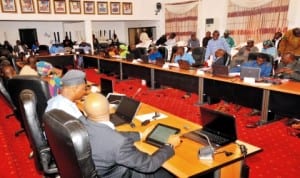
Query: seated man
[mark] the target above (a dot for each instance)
(154, 54)
(260, 62)
(114, 153)
(221, 57)
(289, 67)
(243, 53)
(181, 55)
(73, 88)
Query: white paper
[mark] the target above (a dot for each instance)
(149, 116)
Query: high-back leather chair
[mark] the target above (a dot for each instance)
(7, 98)
(70, 145)
(198, 54)
(164, 52)
(41, 152)
(40, 87)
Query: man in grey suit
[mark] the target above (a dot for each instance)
(114, 153)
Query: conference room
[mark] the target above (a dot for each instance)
(132, 54)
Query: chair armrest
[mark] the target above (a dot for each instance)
(49, 166)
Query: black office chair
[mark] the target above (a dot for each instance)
(198, 54)
(43, 50)
(143, 51)
(7, 98)
(227, 58)
(164, 52)
(42, 155)
(40, 87)
(70, 145)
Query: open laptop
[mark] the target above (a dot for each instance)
(160, 134)
(219, 127)
(159, 62)
(129, 57)
(251, 72)
(106, 86)
(185, 65)
(125, 111)
(221, 71)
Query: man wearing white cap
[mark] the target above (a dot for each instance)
(73, 88)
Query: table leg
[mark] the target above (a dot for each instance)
(152, 73)
(121, 71)
(200, 90)
(264, 107)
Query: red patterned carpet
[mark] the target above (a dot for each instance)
(280, 157)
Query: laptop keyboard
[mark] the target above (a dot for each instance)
(216, 140)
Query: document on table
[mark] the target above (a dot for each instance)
(150, 117)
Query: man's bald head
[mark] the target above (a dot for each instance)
(96, 107)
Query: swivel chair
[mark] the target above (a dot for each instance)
(69, 142)
(42, 155)
(40, 87)
(7, 98)
(198, 54)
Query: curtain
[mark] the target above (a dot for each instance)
(257, 23)
(181, 18)
(250, 3)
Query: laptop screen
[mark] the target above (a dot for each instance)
(106, 86)
(218, 123)
(127, 108)
(252, 72)
(160, 134)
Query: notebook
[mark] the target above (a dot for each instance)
(251, 72)
(106, 86)
(125, 111)
(185, 65)
(219, 127)
(160, 134)
(221, 71)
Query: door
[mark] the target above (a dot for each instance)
(28, 36)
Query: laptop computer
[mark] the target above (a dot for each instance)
(185, 65)
(125, 111)
(221, 71)
(160, 134)
(145, 58)
(251, 72)
(106, 86)
(159, 62)
(219, 127)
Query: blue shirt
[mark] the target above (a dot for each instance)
(186, 57)
(56, 49)
(265, 68)
(214, 45)
(155, 56)
(272, 51)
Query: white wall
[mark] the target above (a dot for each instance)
(143, 15)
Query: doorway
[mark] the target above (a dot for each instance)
(28, 36)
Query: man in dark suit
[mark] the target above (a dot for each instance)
(114, 153)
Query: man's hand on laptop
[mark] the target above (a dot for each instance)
(174, 140)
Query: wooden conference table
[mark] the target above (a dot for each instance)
(281, 99)
(185, 162)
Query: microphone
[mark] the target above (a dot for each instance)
(136, 93)
(207, 152)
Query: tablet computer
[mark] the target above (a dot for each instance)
(160, 134)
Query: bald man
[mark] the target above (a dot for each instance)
(114, 153)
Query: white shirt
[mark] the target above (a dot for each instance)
(62, 103)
